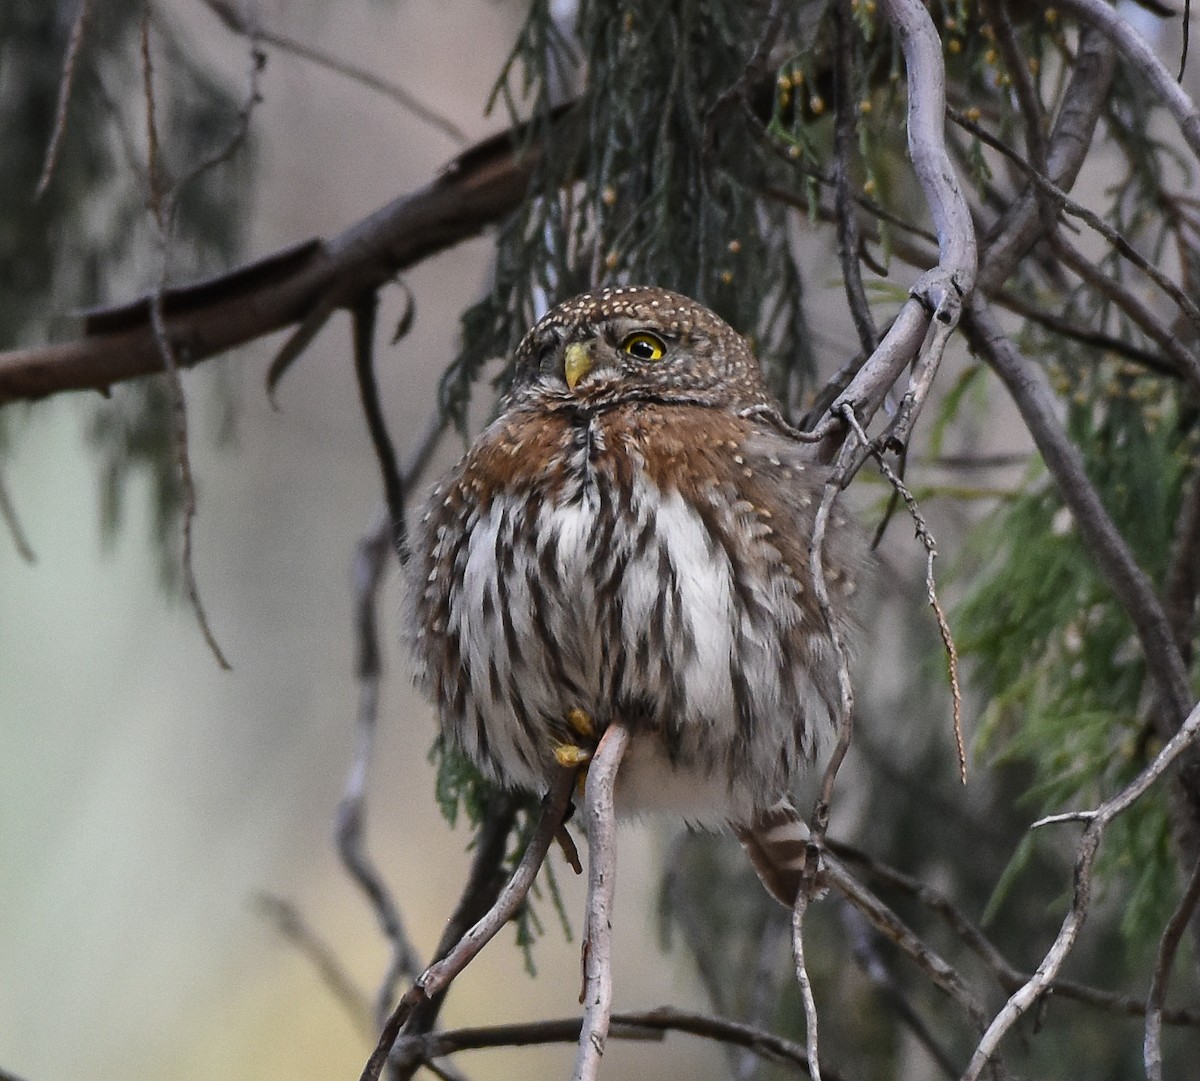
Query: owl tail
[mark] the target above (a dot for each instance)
(776, 842)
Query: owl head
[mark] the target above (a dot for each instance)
(631, 343)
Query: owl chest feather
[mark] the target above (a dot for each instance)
(625, 578)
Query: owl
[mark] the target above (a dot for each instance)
(630, 539)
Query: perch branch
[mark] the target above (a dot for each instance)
(811, 1021)
(602, 868)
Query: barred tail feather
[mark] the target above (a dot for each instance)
(776, 842)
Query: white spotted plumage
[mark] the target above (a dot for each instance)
(634, 545)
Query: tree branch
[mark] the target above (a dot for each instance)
(476, 189)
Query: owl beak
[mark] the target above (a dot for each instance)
(577, 362)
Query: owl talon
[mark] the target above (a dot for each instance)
(581, 723)
(567, 754)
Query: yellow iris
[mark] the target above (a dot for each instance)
(644, 346)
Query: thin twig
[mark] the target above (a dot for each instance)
(1098, 821)
(1047, 187)
(62, 108)
(863, 939)
(1168, 946)
(1020, 227)
(1007, 976)
(938, 294)
(370, 564)
(8, 513)
(930, 545)
(602, 869)
(943, 975)
(288, 922)
(816, 568)
(234, 19)
(163, 201)
(1186, 360)
(368, 392)
(644, 1025)
(438, 976)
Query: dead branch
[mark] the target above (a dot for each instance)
(645, 1025)
(288, 921)
(937, 294)
(370, 564)
(1139, 55)
(1032, 394)
(8, 515)
(1007, 976)
(1019, 227)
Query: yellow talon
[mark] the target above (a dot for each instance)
(568, 754)
(581, 723)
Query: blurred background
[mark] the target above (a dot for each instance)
(146, 797)
(149, 801)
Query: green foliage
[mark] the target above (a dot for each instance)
(1056, 653)
(654, 178)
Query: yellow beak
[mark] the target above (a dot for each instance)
(577, 362)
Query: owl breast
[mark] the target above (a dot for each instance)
(626, 585)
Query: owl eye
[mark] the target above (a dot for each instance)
(644, 346)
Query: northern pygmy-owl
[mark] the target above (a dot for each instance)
(630, 539)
